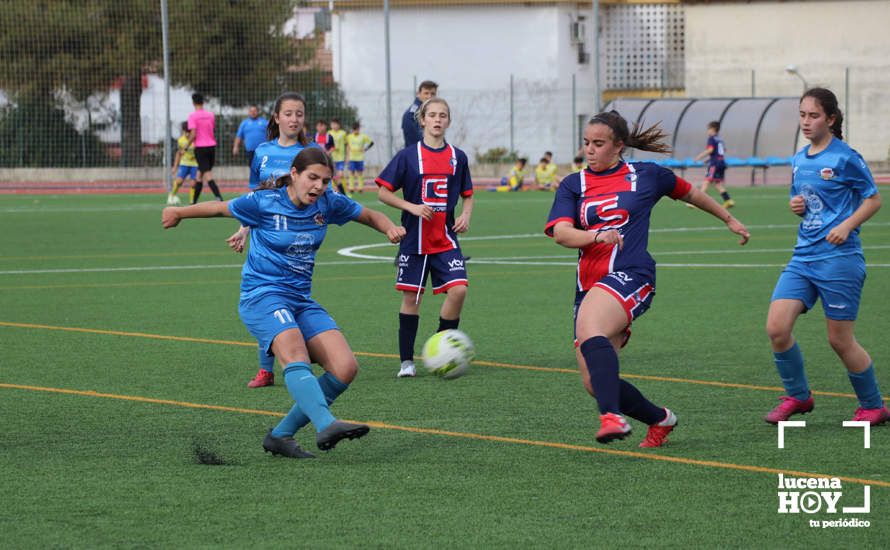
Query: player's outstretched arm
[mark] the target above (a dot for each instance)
(172, 215)
(380, 222)
(868, 208)
(709, 205)
(389, 198)
(569, 236)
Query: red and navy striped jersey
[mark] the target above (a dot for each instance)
(717, 148)
(619, 198)
(436, 178)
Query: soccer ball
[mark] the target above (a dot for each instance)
(448, 353)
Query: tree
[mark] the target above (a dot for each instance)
(233, 51)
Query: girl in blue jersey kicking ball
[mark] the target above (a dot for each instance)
(288, 220)
(833, 191)
(432, 175)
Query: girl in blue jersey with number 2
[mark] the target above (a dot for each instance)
(288, 220)
(272, 159)
(833, 191)
(604, 212)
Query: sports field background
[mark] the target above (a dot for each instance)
(123, 354)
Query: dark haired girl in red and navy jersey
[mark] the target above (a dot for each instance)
(432, 175)
(604, 211)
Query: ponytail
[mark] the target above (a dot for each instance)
(828, 101)
(650, 139)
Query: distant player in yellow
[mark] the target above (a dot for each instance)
(356, 145)
(545, 173)
(338, 153)
(578, 164)
(185, 165)
(514, 180)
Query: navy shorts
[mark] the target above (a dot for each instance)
(836, 281)
(634, 291)
(269, 314)
(356, 166)
(716, 171)
(446, 269)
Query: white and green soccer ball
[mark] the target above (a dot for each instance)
(448, 353)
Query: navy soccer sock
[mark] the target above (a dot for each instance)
(445, 324)
(635, 405)
(196, 191)
(407, 334)
(602, 364)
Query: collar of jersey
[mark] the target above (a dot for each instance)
(819, 154)
(609, 171)
(428, 148)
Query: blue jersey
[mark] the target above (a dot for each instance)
(718, 149)
(284, 238)
(621, 198)
(834, 183)
(436, 178)
(252, 132)
(271, 161)
(411, 130)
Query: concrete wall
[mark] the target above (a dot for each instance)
(726, 42)
(475, 51)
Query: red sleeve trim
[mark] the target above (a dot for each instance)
(681, 188)
(548, 229)
(384, 183)
(467, 193)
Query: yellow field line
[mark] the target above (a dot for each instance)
(467, 435)
(394, 356)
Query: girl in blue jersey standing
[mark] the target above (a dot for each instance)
(272, 159)
(288, 220)
(603, 211)
(833, 191)
(432, 175)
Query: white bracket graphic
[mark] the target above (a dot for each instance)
(866, 430)
(788, 424)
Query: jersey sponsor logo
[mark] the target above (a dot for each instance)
(621, 276)
(813, 216)
(826, 173)
(301, 254)
(602, 213)
(435, 192)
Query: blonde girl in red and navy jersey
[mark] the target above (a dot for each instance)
(432, 175)
(604, 212)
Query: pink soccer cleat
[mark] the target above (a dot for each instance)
(612, 426)
(872, 416)
(262, 378)
(789, 407)
(658, 433)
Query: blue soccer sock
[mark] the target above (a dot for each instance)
(331, 387)
(866, 387)
(306, 391)
(789, 363)
(267, 362)
(407, 335)
(602, 364)
(635, 405)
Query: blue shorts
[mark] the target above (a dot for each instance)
(836, 281)
(339, 164)
(356, 166)
(634, 291)
(268, 315)
(716, 171)
(447, 269)
(186, 172)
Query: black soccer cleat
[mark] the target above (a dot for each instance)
(284, 446)
(328, 438)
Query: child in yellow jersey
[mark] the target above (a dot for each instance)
(338, 153)
(356, 145)
(513, 180)
(185, 165)
(578, 164)
(545, 174)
